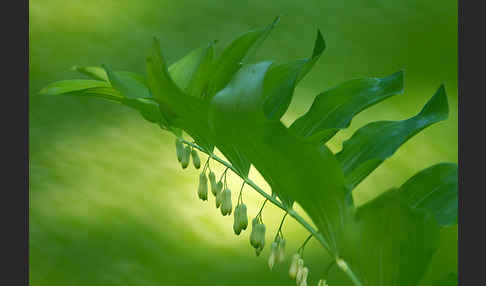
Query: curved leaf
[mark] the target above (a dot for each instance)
(334, 109)
(126, 84)
(238, 119)
(72, 85)
(281, 80)
(389, 244)
(372, 144)
(181, 110)
(434, 190)
(93, 72)
(232, 57)
(192, 72)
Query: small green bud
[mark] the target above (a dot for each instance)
(185, 157)
(322, 282)
(195, 159)
(226, 204)
(294, 266)
(257, 236)
(240, 219)
(219, 195)
(253, 235)
(203, 187)
(281, 250)
(273, 254)
(179, 149)
(214, 185)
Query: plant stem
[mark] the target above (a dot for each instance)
(274, 201)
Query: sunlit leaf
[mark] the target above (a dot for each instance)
(67, 86)
(334, 109)
(434, 190)
(372, 144)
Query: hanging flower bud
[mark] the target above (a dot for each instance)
(260, 228)
(212, 181)
(253, 235)
(226, 204)
(273, 254)
(322, 282)
(294, 266)
(185, 157)
(203, 187)
(241, 219)
(179, 149)
(195, 159)
(300, 267)
(281, 250)
(303, 277)
(219, 199)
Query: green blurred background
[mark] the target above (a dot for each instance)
(109, 204)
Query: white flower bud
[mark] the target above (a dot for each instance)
(195, 159)
(302, 279)
(294, 266)
(300, 268)
(322, 282)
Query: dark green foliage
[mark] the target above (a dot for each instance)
(222, 101)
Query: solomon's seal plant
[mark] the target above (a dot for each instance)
(223, 101)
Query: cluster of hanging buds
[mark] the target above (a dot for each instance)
(298, 271)
(184, 155)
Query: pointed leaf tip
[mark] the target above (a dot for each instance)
(319, 45)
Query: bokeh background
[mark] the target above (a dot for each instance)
(109, 203)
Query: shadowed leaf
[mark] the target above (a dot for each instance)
(372, 144)
(334, 109)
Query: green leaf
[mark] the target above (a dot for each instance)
(128, 85)
(237, 117)
(389, 244)
(434, 190)
(372, 144)
(233, 56)
(181, 110)
(192, 72)
(281, 80)
(72, 85)
(334, 109)
(148, 109)
(448, 280)
(97, 73)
